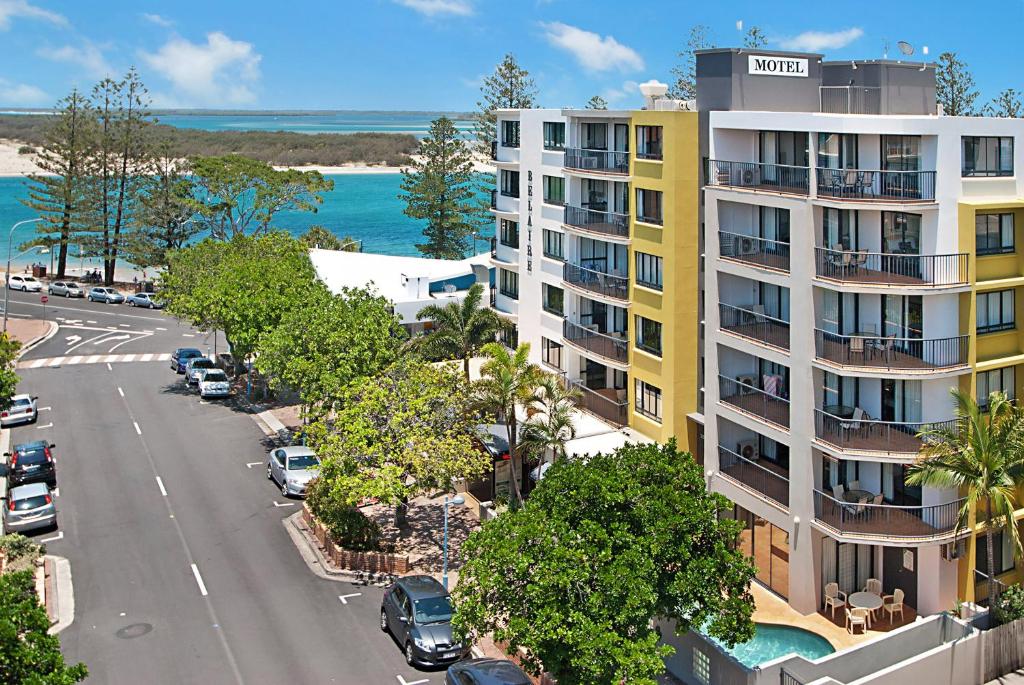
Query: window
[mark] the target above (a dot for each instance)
(993, 233)
(648, 206)
(648, 400)
(701, 667)
(508, 283)
(987, 156)
(648, 270)
(508, 233)
(554, 299)
(997, 380)
(509, 336)
(509, 133)
(648, 142)
(1002, 551)
(554, 135)
(995, 311)
(551, 353)
(509, 183)
(554, 190)
(553, 244)
(648, 335)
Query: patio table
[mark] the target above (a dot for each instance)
(865, 600)
(855, 495)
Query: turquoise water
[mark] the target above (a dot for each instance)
(336, 122)
(773, 641)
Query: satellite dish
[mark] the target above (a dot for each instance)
(905, 47)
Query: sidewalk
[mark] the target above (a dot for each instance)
(27, 331)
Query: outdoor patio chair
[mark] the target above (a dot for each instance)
(856, 421)
(850, 182)
(865, 180)
(874, 586)
(888, 346)
(854, 485)
(857, 617)
(856, 346)
(835, 182)
(834, 597)
(878, 499)
(894, 605)
(837, 491)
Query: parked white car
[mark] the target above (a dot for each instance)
(26, 284)
(21, 409)
(213, 383)
(292, 468)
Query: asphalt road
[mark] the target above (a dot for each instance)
(183, 571)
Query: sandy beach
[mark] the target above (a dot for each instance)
(14, 164)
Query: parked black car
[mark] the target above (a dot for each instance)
(486, 672)
(31, 462)
(417, 611)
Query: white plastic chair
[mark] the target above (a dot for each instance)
(857, 617)
(894, 605)
(834, 597)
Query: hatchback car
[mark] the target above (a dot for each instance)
(486, 672)
(417, 611)
(31, 462)
(144, 300)
(292, 468)
(194, 366)
(107, 295)
(21, 409)
(214, 383)
(180, 357)
(66, 289)
(29, 507)
(26, 284)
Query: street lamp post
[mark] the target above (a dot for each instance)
(458, 500)
(7, 276)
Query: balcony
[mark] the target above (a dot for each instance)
(754, 251)
(597, 221)
(754, 401)
(840, 427)
(608, 403)
(601, 161)
(776, 178)
(754, 324)
(876, 268)
(612, 348)
(876, 185)
(764, 478)
(871, 521)
(889, 353)
(598, 282)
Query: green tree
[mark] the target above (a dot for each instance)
(597, 102)
(236, 194)
(28, 654)
(549, 424)
(755, 38)
(439, 187)
(1007, 104)
(983, 459)
(509, 87)
(603, 548)
(685, 86)
(9, 348)
(164, 221)
(460, 328)
(954, 86)
(320, 237)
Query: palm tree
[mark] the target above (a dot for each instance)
(549, 424)
(983, 459)
(507, 380)
(461, 329)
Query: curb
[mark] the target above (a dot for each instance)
(314, 559)
(64, 595)
(52, 328)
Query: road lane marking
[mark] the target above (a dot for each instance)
(403, 681)
(137, 429)
(188, 335)
(160, 483)
(45, 408)
(286, 504)
(199, 580)
(160, 328)
(92, 359)
(72, 339)
(89, 321)
(124, 324)
(58, 536)
(56, 492)
(120, 391)
(109, 367)
(253, 463)
(95, 358)
(146, 357)
(48, 425)
(37, 363)
(129, 357)
(56, 361)
(74, 360)
(344, 598)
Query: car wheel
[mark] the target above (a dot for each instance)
(383, 620)
(270, 473)
(409, 656)
(284, 488)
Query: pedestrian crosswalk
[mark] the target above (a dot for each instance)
(94, 359)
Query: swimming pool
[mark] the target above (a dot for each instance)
(773, 641)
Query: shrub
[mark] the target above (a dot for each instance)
(26, 150)
(348, 526)
(1010, 605)
(21, 552)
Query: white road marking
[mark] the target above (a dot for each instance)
(146, 357)
(56, 492)
(37, 363)
(344, 598)
(72, 339)
(286, 504)
(56, 361)
(199, 581)
(90, 321)
(188, 335)
(48, 425)
(250, 464)
(160, 483)
(159, 328)
(111, 338)
(403, 681)
(120, 391)
(129, 357)
(45, 408)
(92, 359)
(137, 429)
(58, 536)
(75, 360)
(124, 324)
(109, 367)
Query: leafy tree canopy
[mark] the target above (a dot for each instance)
(1007, 104)
(685, 86)
(320, 237)
(954, 86)
(509, 87)
(597, 102)
(461, 329)
(8, 378)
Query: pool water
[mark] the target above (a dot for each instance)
(773, 641)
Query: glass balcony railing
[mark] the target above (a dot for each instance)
(892, 353)
(614, 348)
(779, 178)
(754, 251)
(754, 324)
(609, 285)
(874, 519)
(763, 478)
(877, 268)
(597, 221)
(608, 161)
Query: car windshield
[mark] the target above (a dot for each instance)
(189, 353)
(215, 377)
(111, 291)
(33, 456)
(303, 461)
(21, 402)
(70, 285)
(202, 363)
(30, 503)
(29, 279)
(433, 610)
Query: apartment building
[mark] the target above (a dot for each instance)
(861, 259)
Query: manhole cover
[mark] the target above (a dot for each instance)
(134, 630)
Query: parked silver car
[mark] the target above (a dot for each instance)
(144, 300)
(65, 289)
(213, 383)
(292, 468)
(21, 409)
(107, 295)
(194, 366)
(26, 284)
(29, 507)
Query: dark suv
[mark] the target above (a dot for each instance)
(417, 611)
(31, 462)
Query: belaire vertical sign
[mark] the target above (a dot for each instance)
(767, 65)
(529, 221)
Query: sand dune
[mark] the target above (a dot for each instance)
(14, 164)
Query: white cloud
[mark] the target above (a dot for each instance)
(220, 71)
(10, 9)
(817, 41)
(21, 94)
(158, 20)
(432, 8)
(89, 57)
(591, 50)
(613, 95)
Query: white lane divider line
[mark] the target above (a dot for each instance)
(160, 483)
(286, 504)
(129, 357)
(58, 536)
(199, 581)
(120, 391)
(403, 681)
(46, 425)
(159, 328)
(188, 335)
(125, 325)
(137, 429)
(109, 367)
(90, 321)
(250, 464)
(344, 598)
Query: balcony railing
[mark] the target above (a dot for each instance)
(755, 325)
(876, 268)
(752, 400)
(494, 199)
(884, 186)
(604, 403)
(753, 250)
(599, 282)
(494, 149)
(780, 178)
(587, 337)
(597, 160)
(890, 352)
(842, 428)
(886, 520)
(607, 223)
(767, 480)
(494, 247)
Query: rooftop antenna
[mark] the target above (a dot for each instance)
(885, 49)
(905, 47)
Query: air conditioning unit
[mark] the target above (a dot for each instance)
(744, 246)
(748, 383)
(747, 449)
(748, 177)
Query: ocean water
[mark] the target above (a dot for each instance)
(328, 122)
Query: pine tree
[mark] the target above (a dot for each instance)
(439, 187)
(58, 195)
(685, 87)
(163, 221)
(1007, 104)
(597, 102)
(509, 87)
(954, 86)
(755, 38)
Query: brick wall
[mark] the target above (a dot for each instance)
(371, 562)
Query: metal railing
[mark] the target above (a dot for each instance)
(850, 99)
(650, 150)
(608, 223)
(875, 184)
(865, 433)
(752, 475)
(886, 520)
(753, 250)
(494, 149)
(607, 346)
(781, 178)
(599, 282)
(494, 247)
(891, 269)
(752, 400)
(754, 325)
(591, 400)
(890, 352)
(510, 192)
(512, 241)
(596, 160)
(494, 199)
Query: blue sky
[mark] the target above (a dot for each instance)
(431, 54)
